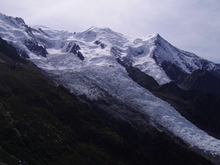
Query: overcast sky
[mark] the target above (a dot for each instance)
(191, 25)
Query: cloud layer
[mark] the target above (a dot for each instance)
(189, 25)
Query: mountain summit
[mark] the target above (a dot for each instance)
(94, 66)
(152, 54)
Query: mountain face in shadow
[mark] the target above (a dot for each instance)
(196, 105)
(121, 122)
(45, 124)
(203, 80)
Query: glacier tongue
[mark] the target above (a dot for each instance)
(101, 78)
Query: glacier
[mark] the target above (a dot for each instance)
(101, 79)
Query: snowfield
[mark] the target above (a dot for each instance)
(100, 78)
(99, 81)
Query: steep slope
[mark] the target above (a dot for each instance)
(100, 81)
(43, 124)
(181, 67)
(152, 55)
(199, 107)
(21, 36)
(91, 65)
(204, 81)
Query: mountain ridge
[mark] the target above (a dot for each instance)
(126, 48)
(92, 65)
(44, 124)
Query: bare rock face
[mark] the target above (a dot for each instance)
(35, 48)
(75, 50)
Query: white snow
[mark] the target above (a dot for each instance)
(96, 79)
(100, 77)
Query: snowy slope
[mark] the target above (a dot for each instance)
(101, 79)
(91, 64)
(186, 61)
(147, 53)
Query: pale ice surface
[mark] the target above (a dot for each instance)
(95, 80)
(100, 77)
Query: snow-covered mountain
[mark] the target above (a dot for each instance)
(92, 65)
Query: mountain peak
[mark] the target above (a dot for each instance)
(15, 21)
(100, 29)
(92, 64)
(155, 35)
(102, 34)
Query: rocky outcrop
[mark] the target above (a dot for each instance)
(99, 43)
(141, 78)
(174, 72)
(75, 50)
(35, 48)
